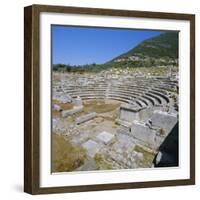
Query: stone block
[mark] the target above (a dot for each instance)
(129, 112)
(66, 113)
(164, 120)
(143, 133)
(77, 101)
(85, 118)
(123, 123)
(105, 137)
(92, 147)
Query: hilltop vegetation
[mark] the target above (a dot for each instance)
(164, 45)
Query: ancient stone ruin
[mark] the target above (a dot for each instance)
(121, 121)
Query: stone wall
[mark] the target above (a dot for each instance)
(66, 113)
(129, 113)
(164, 120)
(86, 117)
(142, 132)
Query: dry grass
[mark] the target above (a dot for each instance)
(162, 131)
(148, 156)
(101, 162)
(64, 106)
(99, 106)
(55, 113)
(65, 156)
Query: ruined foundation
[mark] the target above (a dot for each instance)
(121, 122)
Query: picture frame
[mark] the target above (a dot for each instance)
(33, 141)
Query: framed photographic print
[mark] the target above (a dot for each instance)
(109, 99)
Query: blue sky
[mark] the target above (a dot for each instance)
(81, 45)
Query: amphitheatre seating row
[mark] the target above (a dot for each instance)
(143, 92)
(150, 97)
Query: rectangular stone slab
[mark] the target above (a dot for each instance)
(77, 101)
(105, 137)
(66, 113)
(85, 118)
(92, 147)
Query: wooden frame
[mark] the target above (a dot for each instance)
(32, 105)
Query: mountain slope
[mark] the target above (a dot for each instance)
(164, 45)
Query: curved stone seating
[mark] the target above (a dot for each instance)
(163, 96)
(122, 95)
(142, 91)
(157, 99)
(153, 98)
(153, 102)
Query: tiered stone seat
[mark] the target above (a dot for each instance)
(142, 91)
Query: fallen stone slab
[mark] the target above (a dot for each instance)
(66, 113)
(105, 137)
(85, 118)
(123, 123)
(77, 101)
(92, 147)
